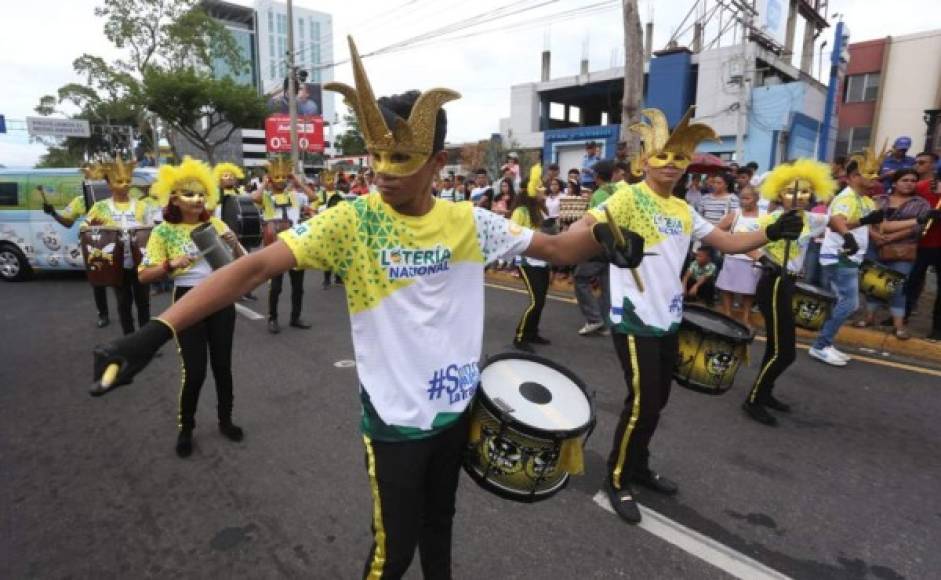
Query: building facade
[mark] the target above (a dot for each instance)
(313, 42)
(240, 22)
(891, 87)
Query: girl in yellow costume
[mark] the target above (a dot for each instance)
(188, 194)
(793, 186)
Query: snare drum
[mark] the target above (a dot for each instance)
(103, 252)
(139, 237)
(811, 305)
(712, 347)
(243, 218)
(271, 228)
(879, 282)
(528, 427)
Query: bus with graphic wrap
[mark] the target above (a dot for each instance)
(31, 240)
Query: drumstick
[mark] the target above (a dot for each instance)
(107, 380)
(787, 243)
(924, 232)
(619, 241)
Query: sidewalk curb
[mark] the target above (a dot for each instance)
(849, 336)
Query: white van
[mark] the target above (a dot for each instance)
(31, 240)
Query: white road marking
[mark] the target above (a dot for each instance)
(248, 312)
(705, 548)
(345, 364)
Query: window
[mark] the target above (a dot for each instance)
(270, 22)
(315, 30)
(8, 193)
(557, 111)
(851, 140)
(300, 29)
(861, 88)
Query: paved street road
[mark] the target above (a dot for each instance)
(846, 487)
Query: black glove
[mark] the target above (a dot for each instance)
(788, 226)
(48, 209)
(873, 217)
(769, 266)
(930, 215)
(850, 246)
(627, 256)
(131, 353)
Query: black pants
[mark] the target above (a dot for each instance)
(297, 293)
(413, 485)
(774, 294)
(212, 335)
(925, 258)
(101, 300)
(130, 290)
(706, 292)
(537, 284)
(648, 364)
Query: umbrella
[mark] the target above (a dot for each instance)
(706, 163)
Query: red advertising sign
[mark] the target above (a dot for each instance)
(309, 133)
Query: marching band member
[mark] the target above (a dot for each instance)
(289, 204)
(529, 211)
(792, 186)
(228, 176)
(644, 320)
(187, 193)
(75, 209)
(413, 268)
(125, 212)
(328, 197)
(851, 213)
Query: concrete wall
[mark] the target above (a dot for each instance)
(911, 83)
(714, 95)
(523, 124)
(773, 111)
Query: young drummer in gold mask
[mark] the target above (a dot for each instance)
(793, 186)
(188, 195)
(413, 267)
(647, 306)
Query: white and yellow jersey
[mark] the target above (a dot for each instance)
(415, 292)
(814, 225)
(853, 207)
(668, 225)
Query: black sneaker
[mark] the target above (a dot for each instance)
(298, 323)
(103, 321)
(760, 414)
(184, 443)
(655, 482)
(522, 345)
(540, 340)
(273, 326)
(777, 405)
(623, 503)
(231, 431)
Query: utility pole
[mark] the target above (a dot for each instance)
(292, 87)
(743, 86)
(633, 75)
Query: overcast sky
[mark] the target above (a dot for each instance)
(41, 38)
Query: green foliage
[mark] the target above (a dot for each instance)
(62, 157)
(205, 110)
(351, 141)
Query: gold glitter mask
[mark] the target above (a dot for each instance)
(805, 193)
(403, 149)
(869, 163)
(192, 195)
(661, 148)
(120, 174)
(278, 172)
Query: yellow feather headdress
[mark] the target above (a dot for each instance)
(191, 173)
(868, 162)
(119, 170)
(94, 171)
(657, 138)
(783, 176)
(222, 168)
(279, 167)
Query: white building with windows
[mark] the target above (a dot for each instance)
(313, 43)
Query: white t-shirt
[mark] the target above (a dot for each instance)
(852, 206)
(744, 224)
(553, 205)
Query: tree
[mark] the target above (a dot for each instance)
(203, 109)
(473, 155)
(633, 75)
(351, 141)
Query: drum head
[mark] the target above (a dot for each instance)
(536, 393)
(814, 290)
(714, 323)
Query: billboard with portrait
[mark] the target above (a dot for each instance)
(309, 101)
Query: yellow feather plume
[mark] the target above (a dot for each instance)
(784, 175)
(232, 168)
(172, 178)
